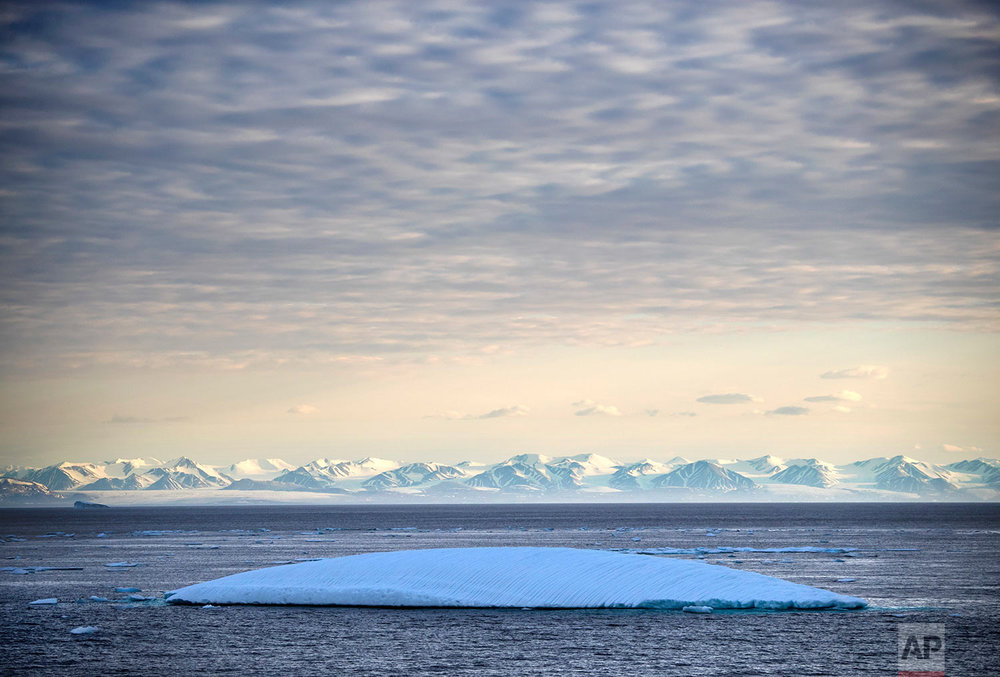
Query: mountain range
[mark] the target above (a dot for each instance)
(527, 475)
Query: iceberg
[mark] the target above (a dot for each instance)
(84, 630)
(516, 577)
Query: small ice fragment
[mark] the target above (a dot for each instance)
(837, 559)
(95, 598)
(138, 598)
(84, 630)
(128, 589)
(210, 606)
(697, 609)
(122, 564)
(846, 580)
(636, 539)
(102, 535)
(17, 571)
(44, 602)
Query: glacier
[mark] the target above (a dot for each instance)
(518, 577)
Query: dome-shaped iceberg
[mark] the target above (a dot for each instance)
(551, 578)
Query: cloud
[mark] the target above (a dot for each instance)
(233, 172)
(954, 448)
(503, 412)
(842, 396)
(591, 408)
(788, 411)
(304, 409)
(516, 410)
(841, 409)
(117, 418)
(727, 398)
(686, 414)
(652, 412)
(863, 371)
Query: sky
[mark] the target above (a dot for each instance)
(465, 230)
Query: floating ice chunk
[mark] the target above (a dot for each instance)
(95, 598)
(846, 580)
(697, 609)
(511, 577)
(17, 571)
(84, 630)
(44, 602)
(138, 598)
(211, 606)
(128, 589)
(122, 565)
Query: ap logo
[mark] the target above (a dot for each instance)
(921, 650)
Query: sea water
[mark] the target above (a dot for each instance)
(914, 563)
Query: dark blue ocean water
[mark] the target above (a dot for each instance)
(914, 563)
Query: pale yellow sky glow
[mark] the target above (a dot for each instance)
(366, 228)
(935, 398)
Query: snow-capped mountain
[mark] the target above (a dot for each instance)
(66, 475)
(705, 475)
(900, 473)
(17, 491)
(366, 467)
(594, 464)
(985, 470)
(123, 467)
(131, 482)
(634, 476)
(258, 468)
(310, 477)
(412, 475)
(809, 472)
(762, 465)
(763, 478)
(183, 473)
(521, 474)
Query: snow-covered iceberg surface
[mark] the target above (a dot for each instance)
(552, 578)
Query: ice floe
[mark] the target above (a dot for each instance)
(84, 630)
(726, 550)
(47, 601)
(511, 577)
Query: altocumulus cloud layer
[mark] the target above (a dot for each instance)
(230, 184)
